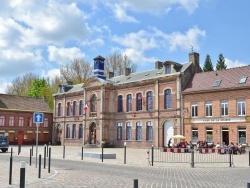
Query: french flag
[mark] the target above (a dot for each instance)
(86, 107)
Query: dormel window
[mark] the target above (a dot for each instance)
(217, 83)
(243, 80)
(168, 69)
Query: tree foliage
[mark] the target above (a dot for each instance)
(221, 63)
(116, 63)
(208, 65)
(36, 88)
(77, 71)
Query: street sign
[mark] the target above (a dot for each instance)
(38, 117)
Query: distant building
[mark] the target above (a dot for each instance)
(141, 109)
(216, 106)
(16, 119)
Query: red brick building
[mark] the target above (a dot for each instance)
(16, 119)
(216, 106)
(141, 109)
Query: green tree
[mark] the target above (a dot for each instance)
(221, 63)
(208, 66)
(36, 88)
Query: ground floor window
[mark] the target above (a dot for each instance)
(138, 131)
(242, 135)
(209, 135)
(74, 131)
(119, 131)
(149, 131)
(128, 131)
(194, 135)
(80, 131)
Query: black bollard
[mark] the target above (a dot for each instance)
(230, 157)
(30, 156)
(19, 149)
(249, 157)
(82, 152)
(10, 175)
(124, 152)
(47, 149)
(49, 159)
(22, 174)
(248, 185)
(39, 167)
(102, 152)
(63, 151)
(192, 159)
(135, 183)
(44, 159)
(152, 155)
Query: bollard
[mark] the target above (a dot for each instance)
(135, 183)
(124, 152)
(49, 159)
(82, 152)
(63, 151)
(22, 174)
(192, 158)
(39, 167)
(230, 157)
(47, 149)
(30, 156)
(19, 149)
(10, 175)
(152, 155)
(102, 152)
(249, 157)
(248, 185)
(32, 150)
(44, 159)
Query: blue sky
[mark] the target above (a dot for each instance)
(41, 36)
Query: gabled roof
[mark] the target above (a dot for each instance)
(226, 79)
(70, 89)
(20, 103)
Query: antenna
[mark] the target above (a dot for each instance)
(192, 49)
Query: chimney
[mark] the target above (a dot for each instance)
(195, 59)
(158, 65)
(111, 74)
(127, 71)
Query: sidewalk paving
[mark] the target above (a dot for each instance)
(134, 157)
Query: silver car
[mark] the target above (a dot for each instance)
(4, 143)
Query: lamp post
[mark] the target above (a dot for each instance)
(102, 149)
(125, 152)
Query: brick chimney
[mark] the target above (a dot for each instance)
(127, 71)
(158, 65)
(195, 59)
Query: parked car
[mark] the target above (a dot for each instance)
(4, 143)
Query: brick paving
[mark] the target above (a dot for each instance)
(92, 172)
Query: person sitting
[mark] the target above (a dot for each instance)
(169, 143)
(217, 145)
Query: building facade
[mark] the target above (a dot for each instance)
(217, 106)
(16, 119)
(141, 109)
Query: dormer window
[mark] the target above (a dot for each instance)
(168, 69)
(243, 80)
(217, 83)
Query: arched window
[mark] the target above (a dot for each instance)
(68, 108)
(81, 107)
(138, 101)
(128, 131)
(119, 104)
(138, 131)
(119, 131)
(74, 131)
(59, 113)
(2, 120)
(167, 99)
(93, 102)
(74, 108)
(80, 133)
(149, 131)
(129, 103)
(67, 131)
(149, 100)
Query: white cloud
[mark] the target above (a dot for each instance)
(121, 15)
(3, 85)
(52, 73)
(64, 55)
(230, 63)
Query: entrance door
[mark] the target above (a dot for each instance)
(168, 132)
(20, 137)
(92, 133)
(225, 136)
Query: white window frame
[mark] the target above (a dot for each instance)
(194, 110)
(241, 103)
(209, 109)
(128, 131)
(224, 108)
(20, 121)
(2, 120)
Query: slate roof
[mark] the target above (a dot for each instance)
(229, 79)
(71, 89)
(146, 75)
(20, 103)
